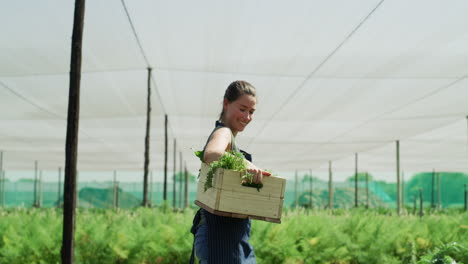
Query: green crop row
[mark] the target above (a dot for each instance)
(162, 236)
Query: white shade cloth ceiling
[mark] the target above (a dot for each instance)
(334, 78)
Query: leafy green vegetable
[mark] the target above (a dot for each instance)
(200, 154)
(231, 161)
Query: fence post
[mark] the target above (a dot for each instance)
(39, 202)
(114, 183)
(439, 202)
(311, 191)
(403, 191)
(367, 190)
(174, 195)
(180, 179)
(166, 120)
(398, 177)
(2, 181)
(330, 186)
(466, 199)
(356, 180)
(2, 186)
(59, 186)
(35, 184)
(432, 189)
(421, 203)
(147, 145)
(186, 188)
(296, 202)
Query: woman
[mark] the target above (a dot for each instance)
(220, 239)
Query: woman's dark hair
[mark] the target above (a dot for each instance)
(235, 90)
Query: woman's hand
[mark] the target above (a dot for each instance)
(256, 172)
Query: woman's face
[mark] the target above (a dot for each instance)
(239, 113)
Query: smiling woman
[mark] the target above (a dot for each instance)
(220, 239)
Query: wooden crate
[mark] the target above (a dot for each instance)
(228, 197)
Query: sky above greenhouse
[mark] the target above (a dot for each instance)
(334, 78)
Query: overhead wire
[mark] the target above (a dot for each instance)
(301, 86)
(153, 81)
(61, 117)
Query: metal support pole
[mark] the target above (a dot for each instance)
(296, 198)
(2, 181)
(151, 189)
(39, 200)
(439, 202)
(432, 189)
(186, 188)
(466, 199)
(35, 184)
(77, 190)
(117, 194)
(181, 169)
(165, 155)
(330, 186)
(367, 190)
(421, 203)
(147, 144)
(398, 177)
(2, 188)
(59, 187)
(356, 181)
(114, 185)
(403, 189)
(174, 195)
(311, 191)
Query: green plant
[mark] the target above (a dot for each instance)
(443, 254)
(230, 160)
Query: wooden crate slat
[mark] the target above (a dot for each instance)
(249, 204)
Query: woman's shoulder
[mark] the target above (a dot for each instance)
(222, 132)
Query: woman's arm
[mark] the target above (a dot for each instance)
(217, 145)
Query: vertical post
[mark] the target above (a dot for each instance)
(59, 187)
(415, 204)
(311, 191)
(296, 198)
(330, 186)
(35, 184)
(367, 190)
(39, 200)
(147, 144)
(186, 188)
(421, 203)
(432, 189)
(466, 199)
(181, 169)
(165, 155)
(151, 188)
(114, 185)
(72, 136)
(439, 202)
(398, 176)
(356, 180)
(117, 194)
(174, 177)
(2, 180)
(403, 189)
